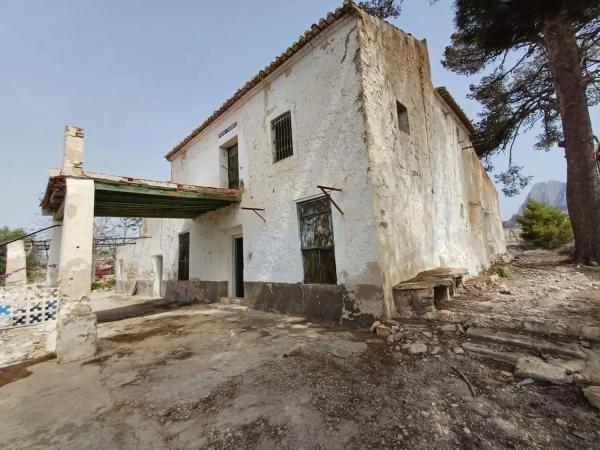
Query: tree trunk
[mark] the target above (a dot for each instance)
(583, 178)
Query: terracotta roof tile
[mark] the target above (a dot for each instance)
(455, 108)
(309, 35)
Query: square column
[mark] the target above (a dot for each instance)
(54, 256)
(76, 322)
(16, 264)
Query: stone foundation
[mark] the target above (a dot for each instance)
(194, 291)
(76, 332)
(361, 303)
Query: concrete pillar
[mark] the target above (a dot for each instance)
(54, 256)
(16, 264)
(76, 323)
(73, 151)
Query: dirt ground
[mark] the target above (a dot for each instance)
(540, 286)
(224, 377)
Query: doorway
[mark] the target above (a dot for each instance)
(158, 276)
(238, 266)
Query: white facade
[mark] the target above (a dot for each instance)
(406, 198)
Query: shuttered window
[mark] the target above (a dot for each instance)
(281, 130)
(183, 272)
(316, 238)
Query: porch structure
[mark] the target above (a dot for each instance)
(73, 198)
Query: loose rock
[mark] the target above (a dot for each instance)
(592, 393)
(374, 325)
(383, 330)
(561, 422)
(448, 328)
(536, 368)
(417, 348)
(458, 350)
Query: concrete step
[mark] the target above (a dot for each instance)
(231, 300)
(527, 342)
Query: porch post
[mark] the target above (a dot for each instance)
(54, 256)
(76, 322)
(16, 265)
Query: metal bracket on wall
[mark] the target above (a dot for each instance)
(256, 211)
(325, 190)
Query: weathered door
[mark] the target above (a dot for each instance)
(316, 239)
(238, 246)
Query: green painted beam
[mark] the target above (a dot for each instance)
(153, 191)
(122, 200)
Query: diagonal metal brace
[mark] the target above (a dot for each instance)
(256, 211)
(325, 190)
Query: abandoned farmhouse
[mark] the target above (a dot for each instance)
(335, 174)
(350, 107)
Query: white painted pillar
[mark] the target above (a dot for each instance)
(54, 256)
(76, 325)
(76, 335)
(16, 265)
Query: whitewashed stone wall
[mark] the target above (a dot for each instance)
(411, 201)
(434, 203)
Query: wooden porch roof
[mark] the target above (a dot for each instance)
(116, 196)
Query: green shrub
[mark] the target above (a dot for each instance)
(545, 226)
(501, 271)
(105, 283)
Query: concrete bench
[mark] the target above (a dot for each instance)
(420, 296)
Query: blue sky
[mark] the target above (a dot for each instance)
(139, 75)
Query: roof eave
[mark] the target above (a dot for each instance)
(308, 36)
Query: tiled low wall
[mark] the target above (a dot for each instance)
(32, 304)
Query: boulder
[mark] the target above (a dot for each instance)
(538, 369)
(592, 393)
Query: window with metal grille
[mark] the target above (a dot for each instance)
(281, 130)
(316, 240)
(233, 168)
(184, 257)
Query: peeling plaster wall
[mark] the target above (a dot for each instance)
(434, 203)
(136, 262)
(320, 85)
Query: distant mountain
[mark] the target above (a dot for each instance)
(553, 193)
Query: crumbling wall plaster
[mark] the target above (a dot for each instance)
(434, 204)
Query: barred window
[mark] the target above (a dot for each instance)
(281, 130)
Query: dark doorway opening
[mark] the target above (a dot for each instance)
(183, 272)
(238, 256)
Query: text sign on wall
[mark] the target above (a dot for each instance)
(228, 129)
